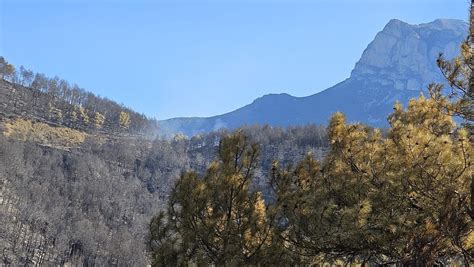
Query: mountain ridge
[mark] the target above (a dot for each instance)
(397, 65)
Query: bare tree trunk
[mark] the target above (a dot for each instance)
(18, 235)
(471, 87)
(470, 42)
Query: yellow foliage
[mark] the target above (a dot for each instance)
(364, 212)
(469, 241)
(83, 115)
(99, 120)
(124, 120)
(260, 209)
(337, 127)
(430, 228)
(254, 236)
(420, 169)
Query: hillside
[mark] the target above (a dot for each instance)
(396, 66)
(43, 100)
(77, 195)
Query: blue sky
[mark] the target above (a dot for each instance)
(201, 58)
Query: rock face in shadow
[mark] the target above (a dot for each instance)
(397, 65)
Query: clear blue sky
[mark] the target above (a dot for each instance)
(201, 58)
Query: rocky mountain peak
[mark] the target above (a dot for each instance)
(397, 28)
(403, 56)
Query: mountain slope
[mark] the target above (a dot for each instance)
(397, 65)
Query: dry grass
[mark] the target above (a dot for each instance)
(42, 133)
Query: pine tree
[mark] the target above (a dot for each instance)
(99, 120)
(401, 198)
(84, 117)
(433, 167)
(406, 197)
(124, 120)
(458, 74)
(7, 70)
(215, 218)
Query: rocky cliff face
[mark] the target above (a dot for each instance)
(404, 55)
(397, 65)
